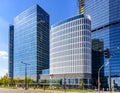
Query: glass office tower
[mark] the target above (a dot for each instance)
(11, 50)
(31, 42)
(105, 16)
(81, 6)
(70, 51)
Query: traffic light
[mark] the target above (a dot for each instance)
(107, 53)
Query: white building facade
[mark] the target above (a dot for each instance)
(70, 50)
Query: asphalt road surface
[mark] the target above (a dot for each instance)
(3, 90)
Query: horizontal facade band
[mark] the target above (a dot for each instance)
(107, 25)
(68, 75)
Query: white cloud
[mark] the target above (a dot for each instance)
(3, 46)
(4, 54)
(5, 57)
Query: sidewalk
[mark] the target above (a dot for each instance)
(38, 90)
(62, 91)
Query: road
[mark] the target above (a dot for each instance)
(3, 90)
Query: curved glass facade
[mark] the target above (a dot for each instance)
(105, 16)
(70, 47)
(31, 42)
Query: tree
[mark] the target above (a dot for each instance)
(47, 82)
(17, 80)
(57, 83)
(82, 84)
(0, 81)
(5, 80)
(29, 81)
(11, 81)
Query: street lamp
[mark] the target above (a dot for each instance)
(99, 77)
(108, 56)
(25, 73)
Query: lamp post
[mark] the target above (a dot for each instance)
(109, 69)
(25, 73)
(99, 77)
(108, 56)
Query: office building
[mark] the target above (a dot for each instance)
(105, 15)
(31, 43)
(70, 51)
(11, 50)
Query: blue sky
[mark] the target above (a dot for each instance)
(57, 9)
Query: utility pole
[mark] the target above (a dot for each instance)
(109, 69)
(108, 56)
(25, 74)
(99, 77)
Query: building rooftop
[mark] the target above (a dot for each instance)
(68, 19)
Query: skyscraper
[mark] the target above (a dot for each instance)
(70, 51)
(105, 15)
(11, 50)
(31, 42)
(81, 6)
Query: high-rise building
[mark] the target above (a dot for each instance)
(81, 6)
(31, 43)
(11, 50)
(70, 51)
(105, 15)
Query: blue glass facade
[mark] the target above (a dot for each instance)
(31, 43)
(46, 72)
(11, 50)
(105, 16)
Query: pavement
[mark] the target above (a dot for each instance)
(4, 90)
